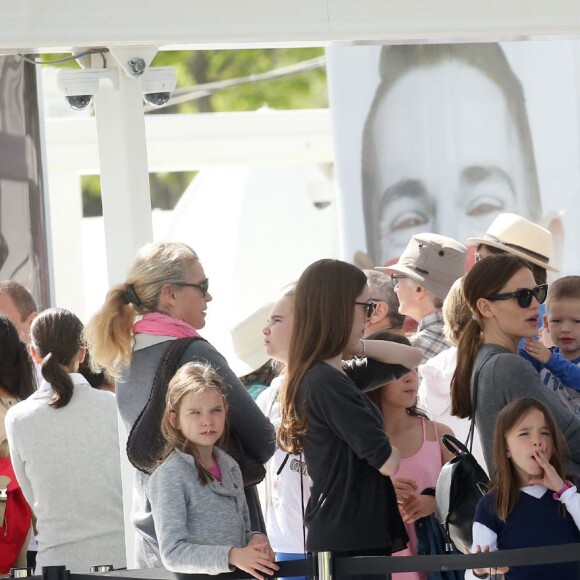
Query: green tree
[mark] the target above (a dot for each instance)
(300, 91)
(305, 90)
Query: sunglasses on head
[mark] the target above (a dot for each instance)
(370, 306)
(523, 296)
(203, 286)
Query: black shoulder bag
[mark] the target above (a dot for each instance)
(461, 484)
(145, 443)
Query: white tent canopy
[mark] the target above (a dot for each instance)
(28, 26)
(63, 24)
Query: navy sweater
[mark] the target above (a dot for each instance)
(534, 522)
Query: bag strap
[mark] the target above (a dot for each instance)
(145, 442)
(4, 483)
(302, 463)
(471, 433)
(453, 445)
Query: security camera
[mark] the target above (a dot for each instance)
(79, 102)
(158, 84)
(79, 86)
(321, 192)
(157, 99)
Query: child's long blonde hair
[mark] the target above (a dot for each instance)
(505, 481)
(192, 378)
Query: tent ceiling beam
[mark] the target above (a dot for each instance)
(61, 25)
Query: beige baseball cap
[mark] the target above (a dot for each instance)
(432, 261)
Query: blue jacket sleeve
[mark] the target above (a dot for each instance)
(535, 363)
(565, 370)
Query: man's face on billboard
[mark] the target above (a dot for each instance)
(446, 159)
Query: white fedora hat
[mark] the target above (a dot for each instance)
(518, 236)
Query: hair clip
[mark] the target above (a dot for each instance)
(130, 295)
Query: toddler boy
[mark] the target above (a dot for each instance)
(559, 365)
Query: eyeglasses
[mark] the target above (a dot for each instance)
(202, 286)
(370, 306)
(524, 296)
(396, 277)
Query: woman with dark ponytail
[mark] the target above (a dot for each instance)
(65, 451)
(504, 300)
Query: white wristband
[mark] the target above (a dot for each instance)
(364, 347)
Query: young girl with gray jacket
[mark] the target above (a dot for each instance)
(197, 494)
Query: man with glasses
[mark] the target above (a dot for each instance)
(386, 315)
(422, 277)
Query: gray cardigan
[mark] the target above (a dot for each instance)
(505, 377)
(253, 429)
(197, 525)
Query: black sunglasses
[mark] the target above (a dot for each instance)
(524, 296)
(202, 286)
(396, 277)
(370, 306)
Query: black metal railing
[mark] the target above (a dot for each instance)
(323, 565)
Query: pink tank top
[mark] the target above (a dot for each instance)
(423, 467)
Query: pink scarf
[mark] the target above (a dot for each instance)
(163, 325)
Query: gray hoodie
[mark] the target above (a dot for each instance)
(197, 525)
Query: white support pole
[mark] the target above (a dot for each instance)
(126, 210)
(124, 172)
(66, 217)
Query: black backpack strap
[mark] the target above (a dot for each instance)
(145, 443)
(471, 433)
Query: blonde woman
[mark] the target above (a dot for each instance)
(165, 297)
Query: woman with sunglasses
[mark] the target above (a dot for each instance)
(165, 297)
(504, 300)
(352, 509)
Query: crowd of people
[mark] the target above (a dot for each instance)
(340, 453)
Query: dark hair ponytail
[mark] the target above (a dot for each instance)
(16, 368)
(467, 349)
(56, 335)
(487, 277)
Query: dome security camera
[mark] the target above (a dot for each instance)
(158, 84)
(157, 99)
(321, 192)
(79, 86)
(79, 102)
